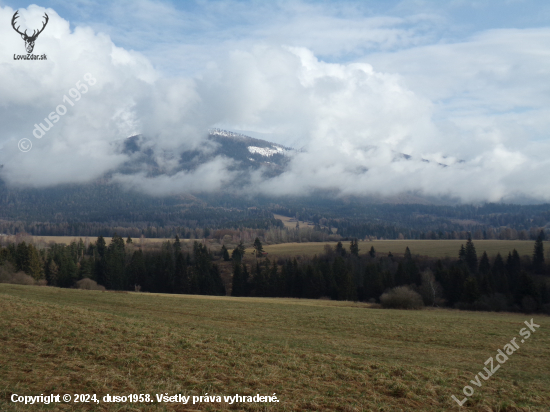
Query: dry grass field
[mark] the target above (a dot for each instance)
(68, 239)
(315, 355)
(432, 248)
(290, 222)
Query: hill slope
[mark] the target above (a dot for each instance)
(314, 355)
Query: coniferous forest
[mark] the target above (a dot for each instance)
(472, 281)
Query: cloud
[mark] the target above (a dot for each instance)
(124, 96)
(208, 177)
(478, 105)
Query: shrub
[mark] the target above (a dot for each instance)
(88, 284)
(8, 275)
(401, 297)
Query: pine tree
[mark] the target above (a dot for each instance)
(538, 254)
(408, 253)
(129, 240)
(372, 252)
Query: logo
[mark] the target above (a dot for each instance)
(29, 40)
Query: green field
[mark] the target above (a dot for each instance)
(315, 355)
(432, 248)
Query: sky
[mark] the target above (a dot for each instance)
(352, 83)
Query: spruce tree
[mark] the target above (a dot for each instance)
(513, 270)
(138, 272)
(486, 284)
(115, 259)
(258, 247)
(373, 282)
(51, 272)
(245, 276)
(35, 268)
(180, 273)
(372, 252)
(538, 254)
(401, 276)
(413, 273)
(470, 290)
(177, 245)
(462, 254)
(238, 252)
(225, 254)
(100, 262)
(354, 247)
(484, 265)
(471, 256)
(499, 276)
(340, 249)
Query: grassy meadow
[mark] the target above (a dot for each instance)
(432, 248)
(316, 355)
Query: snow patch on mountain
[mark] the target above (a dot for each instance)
(265, 151)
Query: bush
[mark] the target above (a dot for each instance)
(8, 275)
(88, 284)
(401, 297)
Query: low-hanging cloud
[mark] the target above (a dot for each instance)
(353, 120)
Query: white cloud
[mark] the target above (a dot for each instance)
(483, 100)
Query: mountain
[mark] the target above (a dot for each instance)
(247, 152)
(102, 206)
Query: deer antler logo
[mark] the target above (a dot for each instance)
(29, 40)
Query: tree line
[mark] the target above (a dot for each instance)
(512, 283)
(468, 281)
(120, 266)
